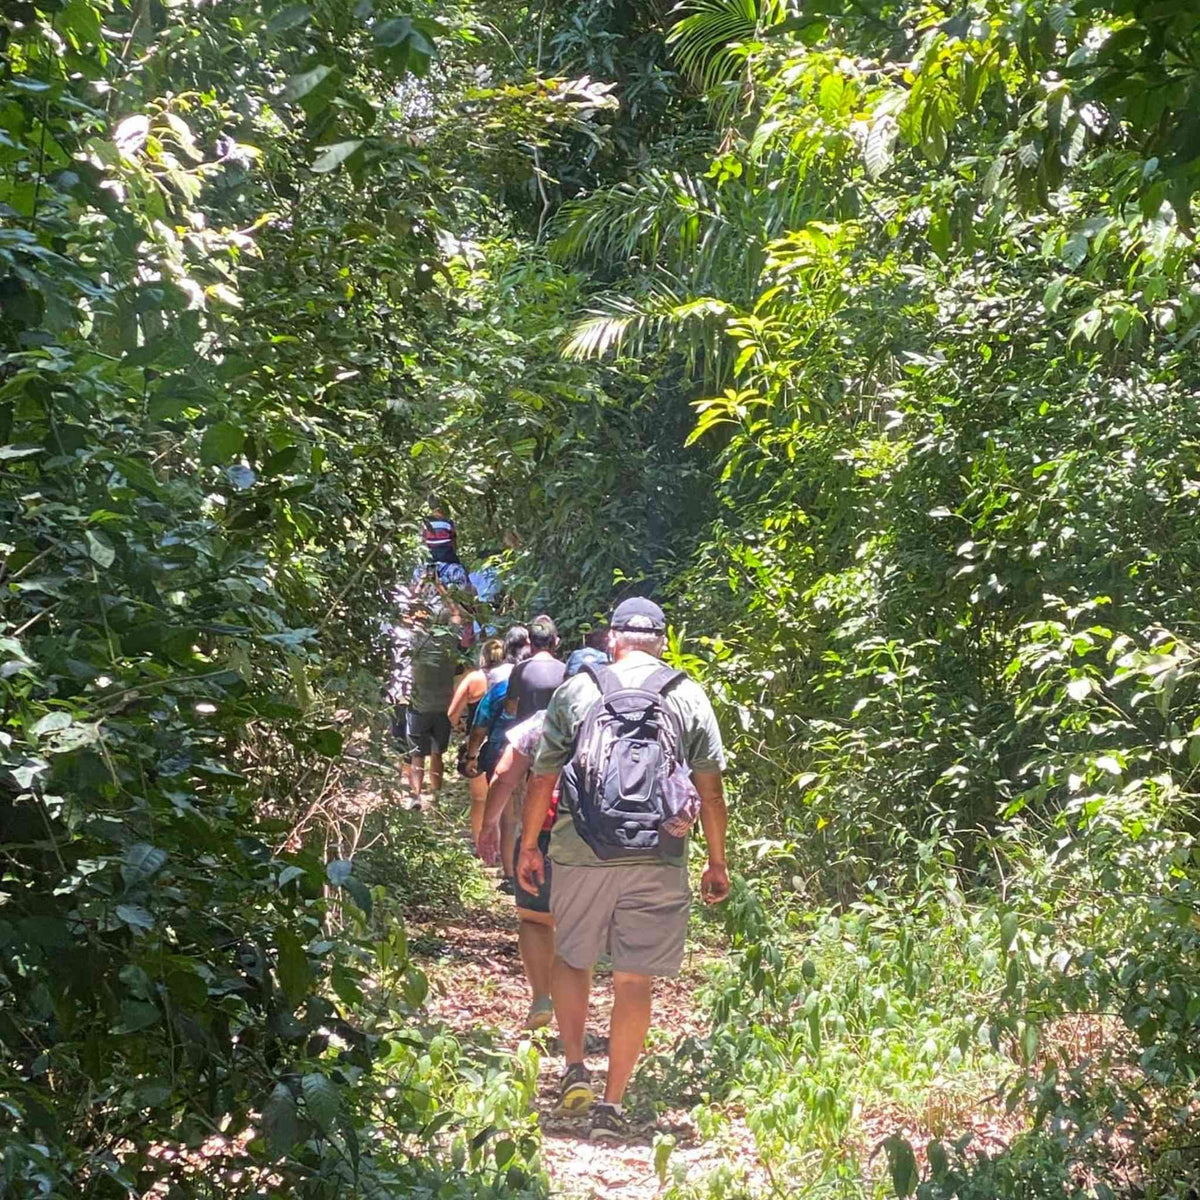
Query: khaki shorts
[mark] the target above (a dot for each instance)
(638, 913)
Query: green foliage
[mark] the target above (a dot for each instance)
(879, 326)
(228, 268)
(949, 381)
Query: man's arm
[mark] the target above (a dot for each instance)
(459, 703)
(474, 742)
(513, 696)
(510, 770)
(531, 866)
(714, 883)
(554, 750)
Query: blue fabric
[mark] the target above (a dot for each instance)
(450, 574)
(588, 656)
(491, 716)
(487, 584)
(492, 702)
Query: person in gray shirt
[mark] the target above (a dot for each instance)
(636, 907)
(433, 657)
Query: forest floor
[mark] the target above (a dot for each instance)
(477, 986)
(478, 990)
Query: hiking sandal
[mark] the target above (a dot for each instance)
(575, 1094)
(609, 1125)
(541, 1013)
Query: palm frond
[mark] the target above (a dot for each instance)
(692, 326)
(680, 223)
(711, 42)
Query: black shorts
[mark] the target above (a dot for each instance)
(428, 732)
(400, 725)
(538, 901)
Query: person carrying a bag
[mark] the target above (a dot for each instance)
(640, 754)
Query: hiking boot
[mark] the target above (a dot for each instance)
(575, 1093)
(541, 1013)
(608, 1124)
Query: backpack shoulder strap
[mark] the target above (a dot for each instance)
(663, 680)
(605, 678)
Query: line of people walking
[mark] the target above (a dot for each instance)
(586, 778)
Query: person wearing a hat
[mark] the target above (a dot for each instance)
(533, 682)
(636, 908)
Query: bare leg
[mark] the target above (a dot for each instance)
(416, 775)
(570, 987)
(535, 937)
(508, 839)
(478, 788)
(435, 772)
(627, 1032)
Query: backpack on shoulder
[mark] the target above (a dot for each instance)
(627, 747)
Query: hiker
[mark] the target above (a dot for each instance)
(489, 591)
(594, 650)
(440, 535)
(535, 932)
(444, 579)
(619, 842)
(399, 689)
(534, 681)
(433, 658)
(472, 687)
(485, 744)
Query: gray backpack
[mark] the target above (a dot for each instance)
(626, 747)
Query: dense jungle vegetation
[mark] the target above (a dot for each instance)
(863, 332)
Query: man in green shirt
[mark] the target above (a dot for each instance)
(433, 655)
(636, 908)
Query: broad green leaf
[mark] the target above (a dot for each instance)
(135, 916)
(9, 453)
(664, 1143)
(51, 722)
(345, 986)
(902, 1163)
(289, 873)
(416, 987)
(393, 31)
(321, 1099)
(280, 1122)
(137, 1015)
(300, 85)
(1009, 925)
(221, 442)
(282, 462)
(939, 233)
(331, 157)
(939, 1160)
(288, 18)
(292, 964)
(141, 862)
(1075, 249)
(327, 742)
(360, 894)
(1029, 1041)
(1087, 325)
(877, 150)
(100, 549)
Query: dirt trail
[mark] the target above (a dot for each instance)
(477, 983)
